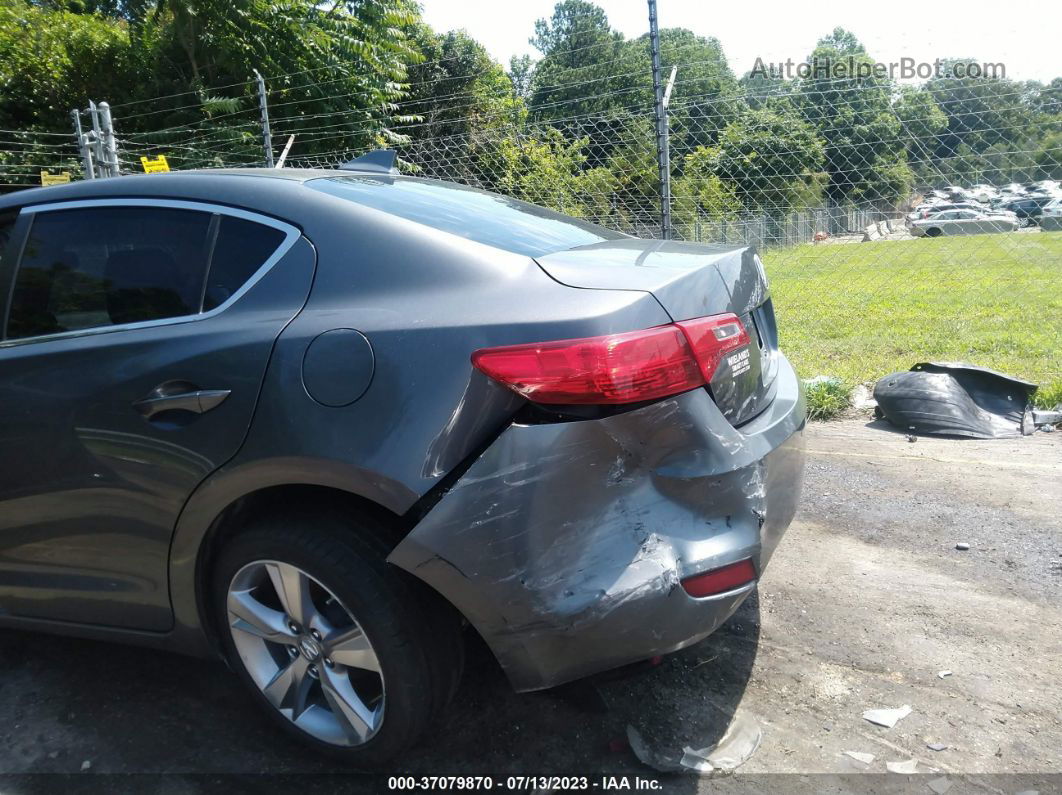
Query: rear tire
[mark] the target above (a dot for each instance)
(292, 592)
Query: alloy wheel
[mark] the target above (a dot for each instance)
(306, 652)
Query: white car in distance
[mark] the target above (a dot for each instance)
(962, 222)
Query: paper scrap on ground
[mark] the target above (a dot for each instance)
(859, 756)
(908, 768)
(742, 738)
(887, 717)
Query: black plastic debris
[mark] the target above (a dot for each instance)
(957, 399)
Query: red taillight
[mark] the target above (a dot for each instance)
(713, 338)
(720, 580)
(616, 368)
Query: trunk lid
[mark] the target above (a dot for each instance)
(690, 280)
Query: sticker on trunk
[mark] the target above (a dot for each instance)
(739, 362)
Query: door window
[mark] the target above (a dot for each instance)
(103, 266)
(95, 267)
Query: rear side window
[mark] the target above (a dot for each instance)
(7, 224)
(240, 249)
(103, 266)
(488, 218)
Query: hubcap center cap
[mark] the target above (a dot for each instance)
(309, 648)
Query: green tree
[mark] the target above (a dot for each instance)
(980, 110)
(700, 197)
(766, 90)
(769, 157)
(50, 61)
(521, 71)
(850, 104)
(457, 87)
(344, 62)
(585, 66)
(704, 99)
(921, 121)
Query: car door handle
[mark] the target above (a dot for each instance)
(196, 401)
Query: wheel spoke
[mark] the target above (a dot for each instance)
(249, 615)
(356, 719)
(316, 679)
(351, 648)
(293, 590)
(287, 687)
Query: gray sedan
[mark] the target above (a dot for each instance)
(317, 423)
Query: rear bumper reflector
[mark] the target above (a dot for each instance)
(720, 580)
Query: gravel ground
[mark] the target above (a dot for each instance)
(866, 600)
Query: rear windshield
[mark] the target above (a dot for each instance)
(488, 218)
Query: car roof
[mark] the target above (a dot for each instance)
(132, 185)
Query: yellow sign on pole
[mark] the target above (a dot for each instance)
(54, 179)
(156, 165)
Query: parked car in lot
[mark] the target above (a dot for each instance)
(314, 421)
(961, 222)
(933, 206)
(1051, 216)
(1028, 209)
(983, 193)
(925, 211)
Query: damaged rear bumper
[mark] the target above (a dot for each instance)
(564, 544)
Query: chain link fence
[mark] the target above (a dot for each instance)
(898, 224)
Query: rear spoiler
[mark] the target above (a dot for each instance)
(378, 161)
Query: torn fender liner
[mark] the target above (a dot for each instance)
(956, 399)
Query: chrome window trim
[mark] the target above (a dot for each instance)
(292, 234)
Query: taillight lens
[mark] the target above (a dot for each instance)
(616, 368)
(720, 580)
(713, 338)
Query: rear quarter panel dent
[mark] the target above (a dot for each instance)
(557, 527)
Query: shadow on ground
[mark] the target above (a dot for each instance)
(129, 710)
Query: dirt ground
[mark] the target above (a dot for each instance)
(866, 600)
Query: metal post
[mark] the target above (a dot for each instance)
(267, 139)
(96, 139)
(663, 154)
(83, 146)
(284, 153)
(110, 146)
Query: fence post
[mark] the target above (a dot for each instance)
(110, 146)
(663, 154)
(82, 145)
(267, 138)
(96, 138)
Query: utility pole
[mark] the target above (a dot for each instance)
(267, 139)
(663, 153)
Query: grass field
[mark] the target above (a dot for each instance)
(862, 310)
